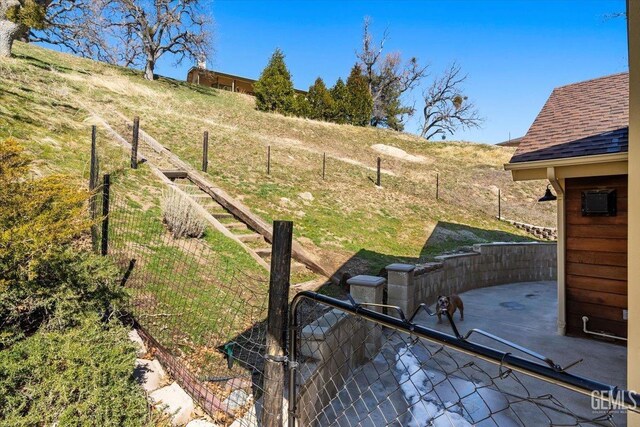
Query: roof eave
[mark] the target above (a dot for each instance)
(568, 161)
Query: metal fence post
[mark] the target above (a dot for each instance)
(499, 205)
(134, 143)
(272, 415)
(205, 152)
(106, 186)
(378, 178)
(437, 186)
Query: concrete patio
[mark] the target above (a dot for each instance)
(414, 383)
(526, 314)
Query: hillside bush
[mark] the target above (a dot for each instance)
(44, 278)
(77, 377)
(180, 217)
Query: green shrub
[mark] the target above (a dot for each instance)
(60, 290)
(78, 377)
(44, 277)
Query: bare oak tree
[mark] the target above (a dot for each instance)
(81, 27)
(128, 32)
(445, 107)
(153, 28)
(388, 79)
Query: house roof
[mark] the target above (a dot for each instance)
(232, 76)
(513, 142)
(580, 119)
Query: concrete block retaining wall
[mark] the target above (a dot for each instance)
(336, 344)
(488, 265)
(333, 346)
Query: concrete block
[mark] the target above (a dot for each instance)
(149, 374)
(237, 399)
(202, 423)
(141, 349)
(174, 401)
(367, 289)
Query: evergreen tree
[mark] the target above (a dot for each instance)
(274, 89)
(340, 102)
(320, 101)
(301, 106)
(360, 103)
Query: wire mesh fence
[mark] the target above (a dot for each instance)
(353, 371)
(202, 312)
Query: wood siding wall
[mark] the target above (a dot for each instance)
(596, 259)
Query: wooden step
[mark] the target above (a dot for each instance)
(263, 252)
(297, 266)
(221, 215)
(236, 225)
(249, 237)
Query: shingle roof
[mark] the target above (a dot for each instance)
(580, 119)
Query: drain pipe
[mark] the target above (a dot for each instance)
(585, 319)
(557, 186)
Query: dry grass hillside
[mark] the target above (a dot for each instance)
(46, 100)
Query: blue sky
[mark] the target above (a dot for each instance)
(515, 52)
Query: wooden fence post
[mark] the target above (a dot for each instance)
(324, 163)
(268, 159)
(437, 186)
(93, 167)
(272, 415)
(378, 178)
(93, 184)
(134, 143)
(106, 188)
(205, 152)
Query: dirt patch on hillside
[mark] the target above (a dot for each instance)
(399, 153)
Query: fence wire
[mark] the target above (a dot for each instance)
(203, 314)
(205, 317)
(354, 372)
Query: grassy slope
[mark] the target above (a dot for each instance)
(45, 97)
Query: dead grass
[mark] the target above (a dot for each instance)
(348, 215)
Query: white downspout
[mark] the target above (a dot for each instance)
(562, 296)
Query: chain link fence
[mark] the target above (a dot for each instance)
(352, 369)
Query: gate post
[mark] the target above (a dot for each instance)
(272, 411)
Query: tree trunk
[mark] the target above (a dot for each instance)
(148, 71)
(8, 33)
